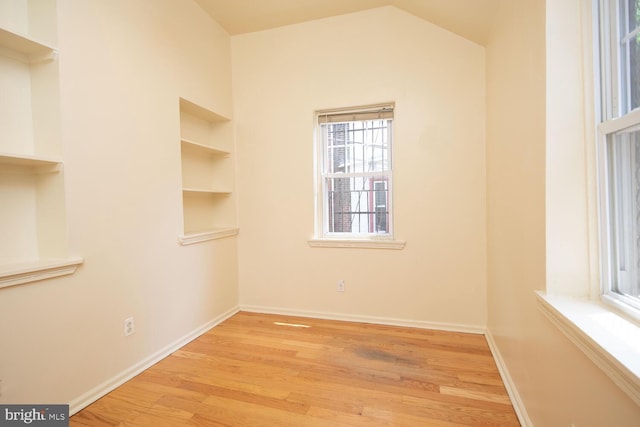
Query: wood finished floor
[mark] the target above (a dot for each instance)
(271, 370)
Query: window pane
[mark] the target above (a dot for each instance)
(634, 72)
(356, 171)
(357, 147)
(624, 199)
(634, 14)
(358, 205)
(630, 54)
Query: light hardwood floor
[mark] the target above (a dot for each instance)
(271, 370)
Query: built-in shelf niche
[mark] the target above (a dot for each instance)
(208, 176)
(33, 217)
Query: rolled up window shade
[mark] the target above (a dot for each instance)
(367, 112)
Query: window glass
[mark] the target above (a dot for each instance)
(356, 166)
(630, 53)
(624, 196)
(619, 156)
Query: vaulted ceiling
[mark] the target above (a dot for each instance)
(468, 18)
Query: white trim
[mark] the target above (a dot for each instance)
(597, 331)
(627, 123)
(190, 239)
(96, 393)
(623, 303)
(592, 112)
(26, 272)
(357, 243)
(440, 326)
(510, 385)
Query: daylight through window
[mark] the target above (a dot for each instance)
(356, 170)
(619, 153)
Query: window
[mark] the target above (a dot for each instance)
(619, 150)
(355, 172)
(608, 338)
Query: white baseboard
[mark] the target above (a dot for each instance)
(451, 327)
(516, 400)
(97, 392)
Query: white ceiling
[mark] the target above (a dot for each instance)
(469, 18)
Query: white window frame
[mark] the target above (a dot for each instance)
(322, 236)
(612, 108)
(580, 309)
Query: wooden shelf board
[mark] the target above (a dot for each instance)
(18, 273)
(203, 236)
(27, 160)
(22, 44)
(200, 112)
(201, 191)
(202, 148)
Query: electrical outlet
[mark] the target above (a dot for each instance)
(129, 326)
(340, 285)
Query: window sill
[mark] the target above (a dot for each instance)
(611, 341)
(357, 243)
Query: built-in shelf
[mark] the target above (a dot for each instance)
(28, 161)
(30, 271)
(202, 113)
(24, 49)
(208, 177)
(202, 149)
(198, 237)
(33, 220)
(205, 192)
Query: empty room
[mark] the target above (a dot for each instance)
(320, 212)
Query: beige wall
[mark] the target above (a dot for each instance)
(123, 66)
(474, 254)
(437, 81)
(537, 223)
